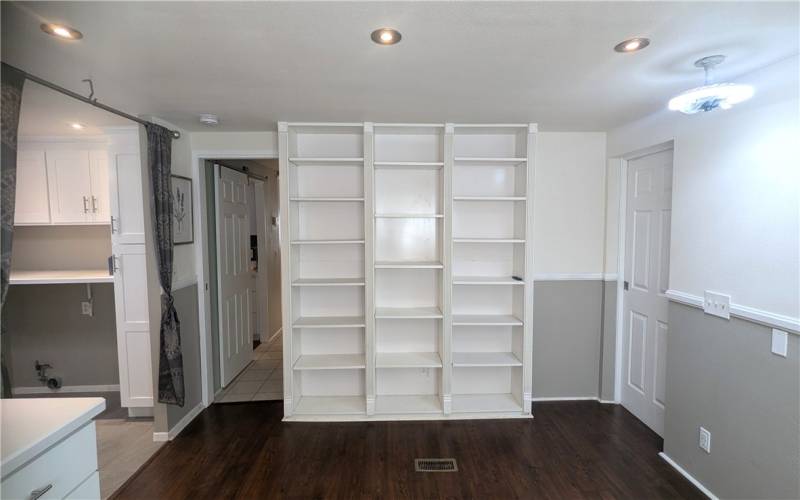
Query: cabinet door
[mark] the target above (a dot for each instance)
(98, 161)
(32, 205)
(70, 187)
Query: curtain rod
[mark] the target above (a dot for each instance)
(92, 102)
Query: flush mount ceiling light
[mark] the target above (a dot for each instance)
(386, 36)
(209, 119)
(76, 126)
(711, 95)
(61, 31)
(632, 44)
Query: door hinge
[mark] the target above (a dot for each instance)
(625, 285)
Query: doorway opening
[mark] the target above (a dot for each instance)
(243, 279)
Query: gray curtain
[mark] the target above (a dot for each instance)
(12, 82)
(170, 363)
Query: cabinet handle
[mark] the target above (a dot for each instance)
(113, 220)
(94, 204)
(85, 204)
(41, 491)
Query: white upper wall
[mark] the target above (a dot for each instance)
(569, 203)
(241, 142)
(736, 193)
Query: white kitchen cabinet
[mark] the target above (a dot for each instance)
(32, 205)
(78, 186)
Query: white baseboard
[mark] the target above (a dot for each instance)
(566, 398)
(186, 420)
(275, 335)
(67, 388)
(688, 476)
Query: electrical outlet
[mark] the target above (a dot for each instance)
(717, 304)
(780, 342)
(86, 308)
(705, 440)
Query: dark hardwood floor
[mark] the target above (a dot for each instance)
(569, 450)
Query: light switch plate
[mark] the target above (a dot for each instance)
(705, 440)
(717, 304)
(780, 342)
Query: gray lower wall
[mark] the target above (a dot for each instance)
(44, 322)
(186, 305)
(721, 375)
(567, 338)
(609, 341)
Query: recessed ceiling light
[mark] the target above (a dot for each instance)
(632, 44)
(76, 126)
(61, 31)
(386, 36)
(209, 119)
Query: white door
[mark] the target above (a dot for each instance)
(98, 174)
(649, 203)
(233, 273)
(70, 186)
(126, 205)
(32, 204)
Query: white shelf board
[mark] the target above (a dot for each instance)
(477, 403)
(488, 240)
(330, 362)
(329, 282)
(60, 277)
(407, 404)
(409, 164)
(327, 242)
(311, 199)
(331, 405)
(489, 198)
(408, 360)
(486, 280)
(478, 359)
(409, 216)
(330, 322)
(408, 265)
(407, 312)
(326, 161)
(486, 320)
(490, 160)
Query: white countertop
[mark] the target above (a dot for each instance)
(60, 277)
(30, 426)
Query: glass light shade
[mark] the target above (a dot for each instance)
(710, 97)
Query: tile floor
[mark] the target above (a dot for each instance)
(262, 380)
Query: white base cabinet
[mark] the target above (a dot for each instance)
(407, 270)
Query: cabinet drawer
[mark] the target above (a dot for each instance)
(88, 490)
(64, 466)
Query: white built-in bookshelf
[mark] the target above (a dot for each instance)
(406, 270)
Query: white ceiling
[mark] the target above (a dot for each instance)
(256, 63)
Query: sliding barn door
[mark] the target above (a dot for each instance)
(235, 281)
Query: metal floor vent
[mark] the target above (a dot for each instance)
(435, 465)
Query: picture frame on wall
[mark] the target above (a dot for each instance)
(182, 216)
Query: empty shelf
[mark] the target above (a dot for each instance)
(327, 242)
(330, 322)
(409, 265)
(474, 159)
(486, 320)
(465, 359)
(324, 198)
(329, 282)
(331, 405)
(330, 362)
(313, 161)
(60, 277)
(407, 312)
(488, 240)
(408, 404)
(489, 198)
(475, 403)
(408, 360)
(409, 216)
(486, 280)
(409, 164)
